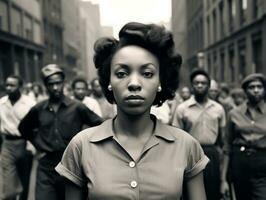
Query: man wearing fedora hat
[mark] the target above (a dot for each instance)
(245, 142)
(50, 125)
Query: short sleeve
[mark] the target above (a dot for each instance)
(197, 160)
(70, 166)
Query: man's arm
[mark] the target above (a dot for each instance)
(228, 139)
(178, 118)
(221, 129)
(28, 124)
(89, 117)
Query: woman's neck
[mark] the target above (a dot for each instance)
(133, 125)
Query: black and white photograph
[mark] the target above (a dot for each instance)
(132, 100)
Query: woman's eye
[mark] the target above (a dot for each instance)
(121, 74)
(147, 74)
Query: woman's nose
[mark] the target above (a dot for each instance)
(134, 83)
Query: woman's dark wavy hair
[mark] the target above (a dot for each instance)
(155, 39)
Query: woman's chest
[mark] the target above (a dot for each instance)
(155, 176)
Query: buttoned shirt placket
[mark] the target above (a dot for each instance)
(135, 182)
(204, 111)
(56, 125)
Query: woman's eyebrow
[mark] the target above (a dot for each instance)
(121, 65)
(148, 65)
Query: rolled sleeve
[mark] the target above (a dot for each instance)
(197, 160)
(70, 166)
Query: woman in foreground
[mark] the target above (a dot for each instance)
(134, 156)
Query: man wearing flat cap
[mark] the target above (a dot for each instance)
(245, 142)
(50, 125)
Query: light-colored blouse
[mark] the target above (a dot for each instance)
(95, 158)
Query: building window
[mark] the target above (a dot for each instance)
(222, 69)
(28, 34)
(221, 11)
(16, 23)
(208, 31)
(214, 26)
(242, 59)
(18, 29)
(215, 67)
(37, 33)
(257, 8)
(28, 29)
(257, 52)
(209, 65)
(201, 36)
(3, 16)
(232, 63)
(243, 11)
(232, 14)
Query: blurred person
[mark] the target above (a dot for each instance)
(238, 96)
(80, 88)
(27, 89)
(162, 112)
(180, 97)
(185, 93)
(214, 91)
(205, 120)
(224, 96)
(135, 156)
(15, 163)
(245, 142)
(89, 93)
(38, 92)
(224, 91)
(67, 90)
(50, 125)
(107, 109)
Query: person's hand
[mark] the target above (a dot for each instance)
(224, 188)
(30, 148)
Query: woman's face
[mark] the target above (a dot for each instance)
(134, 79)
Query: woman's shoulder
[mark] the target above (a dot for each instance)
(94, 134)
(179, 134)
(186, 146)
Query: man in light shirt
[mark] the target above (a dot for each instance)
(80, 89)
(108, 110)
(14, 167)
(205, 120)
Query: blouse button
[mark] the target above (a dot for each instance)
(132, 164)
(133, 184)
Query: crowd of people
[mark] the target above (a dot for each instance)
(130, 133)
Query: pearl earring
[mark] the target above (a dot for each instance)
(159, 89)
(109, 87)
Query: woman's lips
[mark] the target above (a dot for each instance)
(134, 99)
